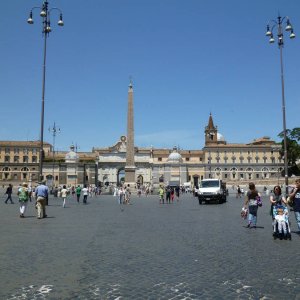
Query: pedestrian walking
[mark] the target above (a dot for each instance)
(295, 199)
(168, 194)
(121, 194)
(41, 193)
(78, 192)
(276, 198)
(177, 191)
(85, 192)
(29, 193)
(64, 193)
(127, 194)
(239, 192)
(172, 194)
(251, 202)
(9, 193)
(161, 195)
(23, 195)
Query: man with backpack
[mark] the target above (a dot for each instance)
(23, 199)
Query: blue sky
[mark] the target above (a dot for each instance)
(187, 59)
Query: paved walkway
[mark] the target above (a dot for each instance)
(146, 251)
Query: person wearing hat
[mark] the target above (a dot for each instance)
(23, 198)
(41, 194)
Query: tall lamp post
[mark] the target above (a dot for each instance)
(45, 14)
(270, 27)
(54, 130)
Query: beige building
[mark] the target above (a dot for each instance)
(257, 160)
(19, 160)
(236, 163)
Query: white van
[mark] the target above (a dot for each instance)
(212, 190)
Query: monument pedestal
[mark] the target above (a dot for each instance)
(130, 176)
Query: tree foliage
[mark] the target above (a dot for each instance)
(293, 147)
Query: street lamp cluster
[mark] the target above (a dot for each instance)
(269, 33)
(45, 14)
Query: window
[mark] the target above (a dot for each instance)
(25, 151)
(16, 159)
(34, 151)
(25, 159)
(34, 159)
(16, 150)
(15, 177)
(200, 158)
(257, 176)
(187, 159)
(7, 150)
(225, 175)
(7, 159)
(159, 159)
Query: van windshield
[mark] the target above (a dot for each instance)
(207, 184)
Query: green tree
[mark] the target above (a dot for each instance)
(292, 143)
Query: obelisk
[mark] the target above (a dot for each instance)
(130, 165)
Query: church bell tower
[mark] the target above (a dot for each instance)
(211, 132)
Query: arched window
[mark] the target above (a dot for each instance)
(265, 172)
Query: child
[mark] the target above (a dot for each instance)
(280, 214)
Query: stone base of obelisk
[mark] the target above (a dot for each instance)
(130, 177)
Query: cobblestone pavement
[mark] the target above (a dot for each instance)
(146, 251)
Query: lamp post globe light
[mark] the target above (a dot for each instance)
(45, 12)
(278, 25)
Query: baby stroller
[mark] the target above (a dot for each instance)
(281, 224)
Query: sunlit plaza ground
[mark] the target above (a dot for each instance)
(145, 251)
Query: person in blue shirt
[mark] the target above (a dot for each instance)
(41, 194)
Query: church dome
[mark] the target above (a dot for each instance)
(175, 157)
(220, 137)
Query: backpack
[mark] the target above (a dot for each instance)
(23, 194)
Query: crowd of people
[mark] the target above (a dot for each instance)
(167, 194)
(40, 194)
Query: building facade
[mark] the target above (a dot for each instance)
(257, 160)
